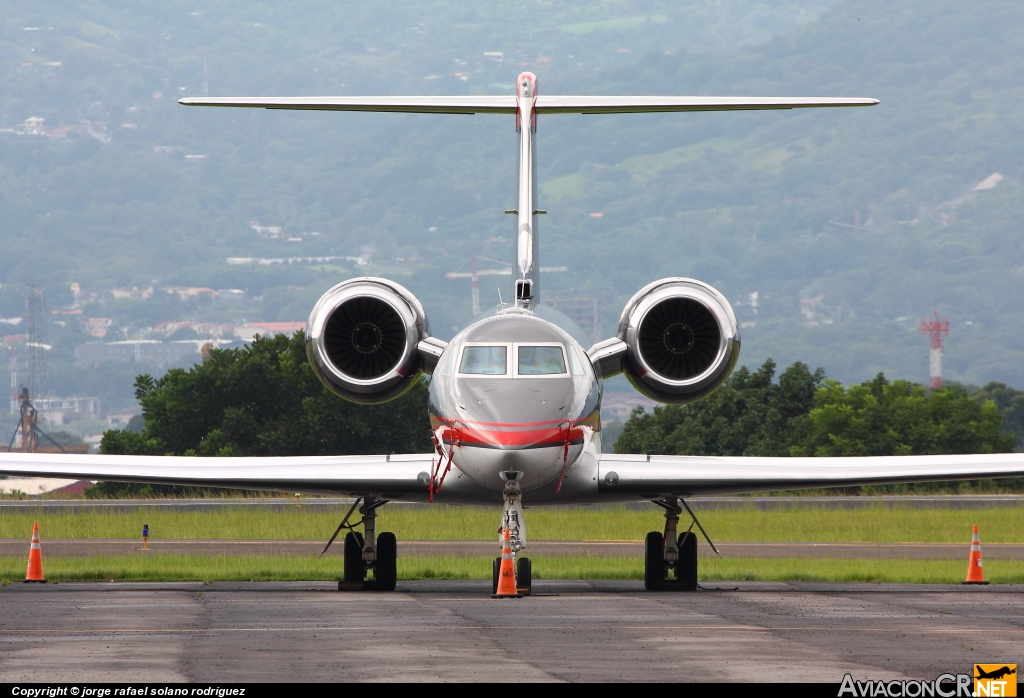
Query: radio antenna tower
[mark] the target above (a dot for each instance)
(14, 379)
(935, 329)
(36, 342)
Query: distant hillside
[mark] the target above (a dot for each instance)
(768, 203)
(867, 215)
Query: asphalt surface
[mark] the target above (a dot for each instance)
(473, 548)
(698, 503)
(453, 631)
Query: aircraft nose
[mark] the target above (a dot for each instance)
(495, 437)
(520, 413)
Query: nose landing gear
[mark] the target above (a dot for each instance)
(665, 552)
(367, 551)
(512, 519)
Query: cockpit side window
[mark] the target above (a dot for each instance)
(574, 362)
(485, 360)
(451, 355)
(541, 360)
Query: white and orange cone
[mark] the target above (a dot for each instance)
(975, 575)
(35, 558)
(507, 575)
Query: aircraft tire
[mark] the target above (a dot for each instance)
(686, 568)
(355, 568)
(524, 575)
(654, 561)
(495, 573)
(385, 570)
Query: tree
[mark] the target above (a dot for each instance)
(879, 418)
(805, 414)
(263, 400)
(749, 415)
(1009, 402)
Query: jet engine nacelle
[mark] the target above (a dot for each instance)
(364, 338)
(682, 340)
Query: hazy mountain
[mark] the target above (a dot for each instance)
(866, 214)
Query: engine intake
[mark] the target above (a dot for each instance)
(682, 340)
(365, 337)
(362, 339)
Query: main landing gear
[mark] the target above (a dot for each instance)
(512, 519)
(666, 552)
(367, 551)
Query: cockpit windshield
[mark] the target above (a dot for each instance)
(541, 361)
(486, 360)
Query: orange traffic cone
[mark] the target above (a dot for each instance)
(975, 575)
(35, 558)
(507, 575)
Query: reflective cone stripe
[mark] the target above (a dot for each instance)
(507, 575)
(975, 574)
(34, 573)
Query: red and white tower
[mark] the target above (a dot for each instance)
(935, 329)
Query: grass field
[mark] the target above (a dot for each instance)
(797, 524)
(881, 524)
(209, 568)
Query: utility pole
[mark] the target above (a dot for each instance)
(29, 416)
(935, 329)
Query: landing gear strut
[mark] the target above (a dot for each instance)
(512, 519)
(367, 551)
(665, 552)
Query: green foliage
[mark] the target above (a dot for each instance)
(1010, 403)
(65, 438)
(263, 400)
(749, 415)
(805, 414)
(879, 418)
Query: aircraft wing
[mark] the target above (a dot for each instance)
(501, 104)
(394, 475)
(649, 476)
(555, 104)
(546, 104)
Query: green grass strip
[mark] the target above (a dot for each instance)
(208, 568)
(877, 524)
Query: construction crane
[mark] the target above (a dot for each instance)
(475, 275)
(935, 329)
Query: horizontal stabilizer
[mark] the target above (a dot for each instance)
(504, 104)
(546, 104)
(553, 104)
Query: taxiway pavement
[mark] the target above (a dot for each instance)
(567, 631)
